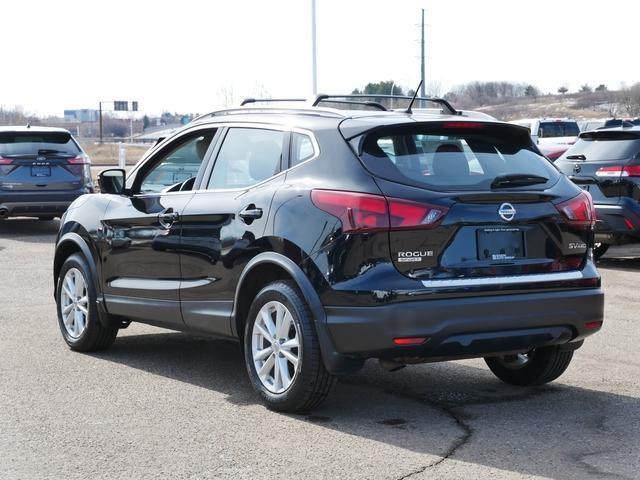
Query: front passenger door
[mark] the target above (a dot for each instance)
(141, 266)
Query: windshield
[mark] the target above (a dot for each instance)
(439, 157)
(558, 129)
(30, 143)
(602, 146)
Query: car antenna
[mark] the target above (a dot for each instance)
(415, 94)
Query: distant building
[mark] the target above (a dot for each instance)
(81, 115)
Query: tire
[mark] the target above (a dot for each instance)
(88, 335)
(310, 382)
(542, 365)
(599, 249)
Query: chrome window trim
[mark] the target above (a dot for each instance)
(263, 126)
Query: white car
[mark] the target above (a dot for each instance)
(551, 130)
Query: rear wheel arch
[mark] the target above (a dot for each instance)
(263, 269)
(259, 272)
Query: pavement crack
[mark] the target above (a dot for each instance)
(467, 433)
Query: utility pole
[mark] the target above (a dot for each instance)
(422, 67)
(100, 108)
(314, 63)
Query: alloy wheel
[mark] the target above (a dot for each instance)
(74, 303)
(275, 347)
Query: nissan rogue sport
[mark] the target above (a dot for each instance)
(323, 233)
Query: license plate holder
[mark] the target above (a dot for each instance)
(500, 244)
(41, 171)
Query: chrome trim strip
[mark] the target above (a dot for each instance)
(505, 280)
(152, 284)
(613, 207)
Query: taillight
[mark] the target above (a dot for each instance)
(579, 211)
(5, 166)
(81, 159)
(366, 212)
(619, 171)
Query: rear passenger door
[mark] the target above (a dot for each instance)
(223, 225)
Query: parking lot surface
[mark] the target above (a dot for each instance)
(161, 404)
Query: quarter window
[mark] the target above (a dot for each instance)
(247, 156)
(301, 148)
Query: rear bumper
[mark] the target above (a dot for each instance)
(611, 226)
(34, 204)
(466, 327)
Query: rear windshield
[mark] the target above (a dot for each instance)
(601, 146)
(558, 129)
(444, 158)
(33, 143)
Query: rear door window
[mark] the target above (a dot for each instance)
(247, 156)
(441, 157)
(37, 143)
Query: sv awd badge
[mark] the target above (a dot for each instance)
(413, 256)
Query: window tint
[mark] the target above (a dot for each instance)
(247, 156)
(558, 129)
(453, 158)
(178, 165)
(301, 148)
(28, 143)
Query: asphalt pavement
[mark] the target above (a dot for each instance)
(161, 405)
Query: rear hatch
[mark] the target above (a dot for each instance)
(605, 163)
(475, 199)
(42, 161)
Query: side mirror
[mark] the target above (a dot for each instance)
(112, 181)
(541, 132)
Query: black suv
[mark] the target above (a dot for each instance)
(606, 163)
(320, 237)
(42, 171)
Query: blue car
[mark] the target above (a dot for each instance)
(42, 171)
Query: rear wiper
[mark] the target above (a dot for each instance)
(517, 180)
(576, 157)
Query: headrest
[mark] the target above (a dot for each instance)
(264, 159)
(449, 161)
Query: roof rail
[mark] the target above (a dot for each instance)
(311, 106)
(267, 100)
(331, 98)
(440, 101)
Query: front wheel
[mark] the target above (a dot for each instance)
(282, 353)
(538, 366)
(77, 310)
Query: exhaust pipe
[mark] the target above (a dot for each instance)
(4, 213)
(391, 365)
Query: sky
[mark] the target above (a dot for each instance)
(197, 55)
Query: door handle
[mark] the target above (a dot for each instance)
(250, 213)
(167, 218)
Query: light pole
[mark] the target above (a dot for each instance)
(314, 63)
(422, 67)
